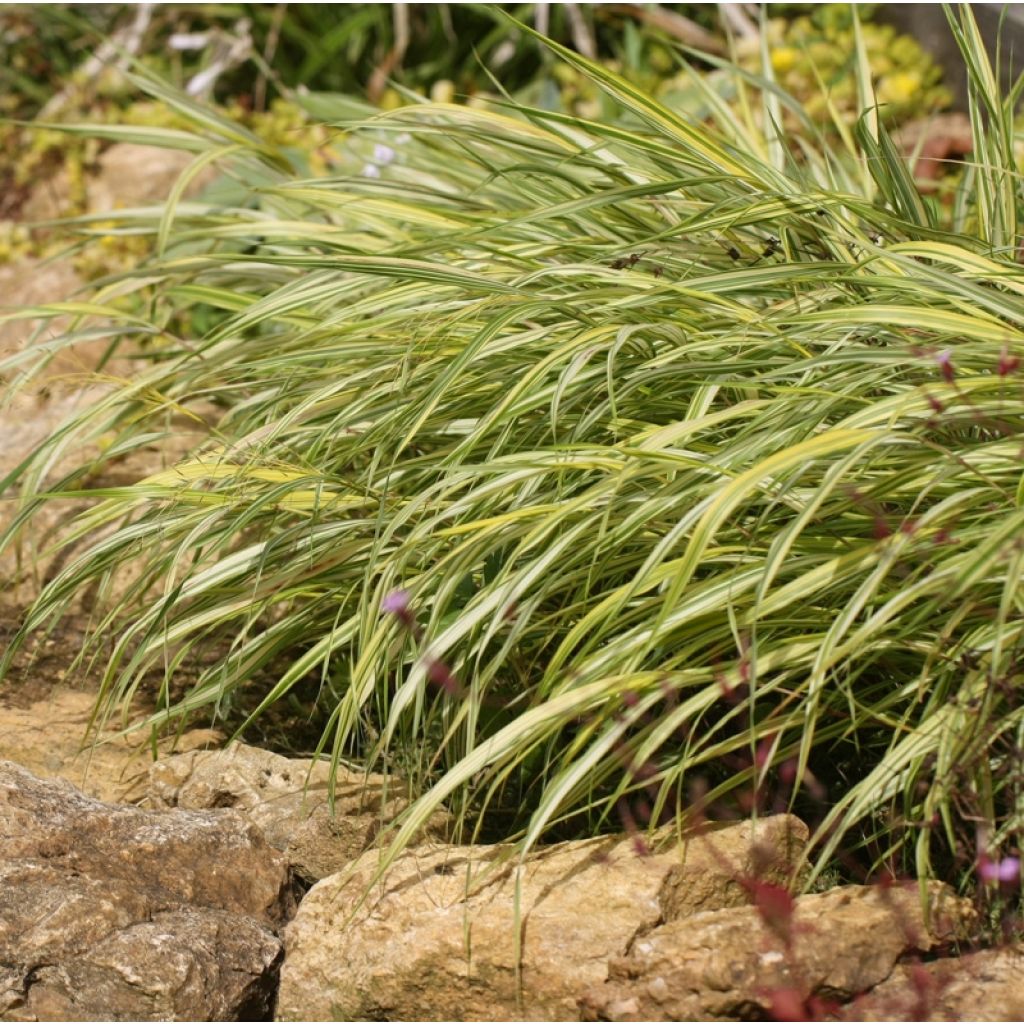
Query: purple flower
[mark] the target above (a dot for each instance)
(1005, 870)
(945, 361)
(397, 602)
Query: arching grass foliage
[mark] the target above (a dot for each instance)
(584, 461)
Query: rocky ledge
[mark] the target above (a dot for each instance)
(112, 912)
(184, 898)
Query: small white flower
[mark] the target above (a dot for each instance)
(371, 171)
(383, 154)
(188, 40)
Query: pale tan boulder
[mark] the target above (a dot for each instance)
(210, 858)
(288, 799)
(115, 913)
(126, 175)
(184, 964)
(987, 985)
(440, 939)
(730, 965)
(46, 736)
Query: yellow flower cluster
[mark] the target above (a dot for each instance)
(812, 58)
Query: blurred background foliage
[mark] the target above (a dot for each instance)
(251, 53)
(67, 63)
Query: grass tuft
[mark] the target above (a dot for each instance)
(582, 463)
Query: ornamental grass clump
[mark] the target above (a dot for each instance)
(581, 462)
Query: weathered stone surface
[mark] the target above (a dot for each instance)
(33, 282)
(213, 858)
(127, 175)
(182, 965)
(46, 738)
(117, 913)
(988, 985)
(437, 938)
(730, 965)
(287, 799)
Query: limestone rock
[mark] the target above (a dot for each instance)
(436, 939)
(287, 799)
(33, 282)
(988, 985)
(127, 175)
(115, 913)
(46, 738)
(181, 965)
(730, 964)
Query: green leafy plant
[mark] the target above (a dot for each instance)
(579, 461)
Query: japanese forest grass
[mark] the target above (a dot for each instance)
(582, 463)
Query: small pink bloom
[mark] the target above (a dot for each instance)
(775, 906)
(1005, 870)
(640, 848)
(643, 810)
(397, 602)
(787, 1004)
